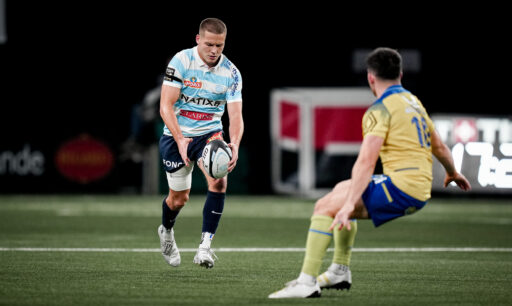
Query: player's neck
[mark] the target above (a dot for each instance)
(380, 87)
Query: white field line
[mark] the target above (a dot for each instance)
(230, 250)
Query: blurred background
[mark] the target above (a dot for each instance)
(80, 81)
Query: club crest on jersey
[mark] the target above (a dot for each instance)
(193, 82)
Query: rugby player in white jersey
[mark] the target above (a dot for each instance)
(199, 84)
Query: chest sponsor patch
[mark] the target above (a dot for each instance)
(196, 115)
(193, 82)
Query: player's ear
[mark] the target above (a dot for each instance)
(371, 78)
(198, 38)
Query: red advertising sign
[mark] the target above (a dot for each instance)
(84, 159)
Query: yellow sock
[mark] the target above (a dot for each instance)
(343, 243)
(319, 238)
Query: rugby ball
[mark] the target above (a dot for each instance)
(216, 156)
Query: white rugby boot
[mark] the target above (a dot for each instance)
(303, 287)
(336, 277)
(168, 246)
(205, 257)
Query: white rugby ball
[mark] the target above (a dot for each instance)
(216, 156)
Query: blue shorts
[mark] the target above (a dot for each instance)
(385, 202)
(170, 154)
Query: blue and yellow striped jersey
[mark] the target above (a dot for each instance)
(406, 154)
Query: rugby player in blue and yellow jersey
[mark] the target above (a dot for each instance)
(199, 84)
(398, 128)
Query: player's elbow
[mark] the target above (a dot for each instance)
(163, 111)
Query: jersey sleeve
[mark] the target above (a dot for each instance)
(175, 70)
(430, 123)
(376, 121)
(234, 93)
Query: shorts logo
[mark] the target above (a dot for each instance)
(379, 178)
(171, 164)
(215, 137)
(193, 82)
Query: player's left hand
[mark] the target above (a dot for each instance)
(234, 157)
(459, 179)
(342, 218)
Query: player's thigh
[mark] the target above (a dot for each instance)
(332, 202)
(181, 179)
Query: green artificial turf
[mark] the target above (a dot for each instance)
(58, 277)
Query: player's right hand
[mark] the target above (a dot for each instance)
(342, 218)
(183, 148)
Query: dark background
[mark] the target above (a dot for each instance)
(68, 69)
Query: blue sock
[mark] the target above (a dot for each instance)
(212, 211)
(168, 216)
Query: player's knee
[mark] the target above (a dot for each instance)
(218, 185)
(342, 187)
(322, 207)
(177, 201)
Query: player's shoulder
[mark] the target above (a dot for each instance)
(377, 106)
(396, 98)
(230, 66)
(184, 56)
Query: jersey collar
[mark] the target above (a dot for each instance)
(393, 89)
(205, 66)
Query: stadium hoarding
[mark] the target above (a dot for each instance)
(481, 149)
(82, 163)
(315, 136)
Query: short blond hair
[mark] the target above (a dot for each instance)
(212, 25)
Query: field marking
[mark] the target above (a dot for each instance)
(270, 250)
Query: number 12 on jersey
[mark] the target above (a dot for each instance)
(423, 132)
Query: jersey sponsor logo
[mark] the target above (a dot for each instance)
(169, 75)
(236, 81)
(193, 82)
(196, 115)
(219, 89)
(201, 101)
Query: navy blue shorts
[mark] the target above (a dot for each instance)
(385, 202)
(170, 154)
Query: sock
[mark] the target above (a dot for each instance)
(319, 238)
(306, 279)
(206, 240)
(168, 216)
(212, 211)
(343, 243)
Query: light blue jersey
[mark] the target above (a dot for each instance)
(204, 91)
